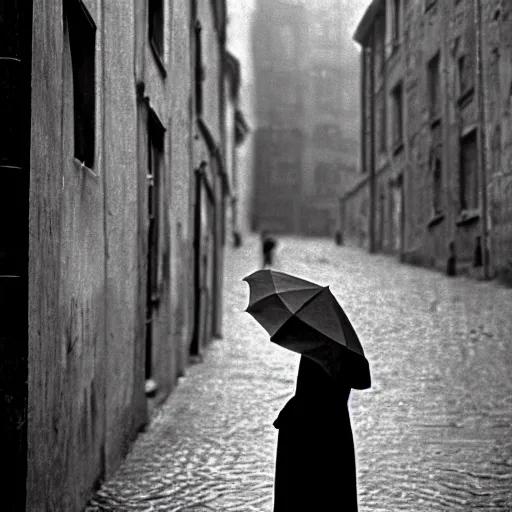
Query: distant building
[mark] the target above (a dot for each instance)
(305, 143)
(435, 180)
(236, 130)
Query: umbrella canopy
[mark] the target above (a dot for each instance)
(306, 318)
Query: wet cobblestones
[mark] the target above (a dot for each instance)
(433, 434)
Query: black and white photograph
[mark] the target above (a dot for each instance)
(256, 255)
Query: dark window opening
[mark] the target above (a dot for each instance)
(382, 123)
(156, 26)
(154, 172)
(436, 185)
(397, 96)
(434, 78)
(199, 70)
(82, 41)
(469, 194)
(466, 74)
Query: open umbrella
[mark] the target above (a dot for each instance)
(306, 318)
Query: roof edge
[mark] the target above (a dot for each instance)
(367, 21)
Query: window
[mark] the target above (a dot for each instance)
(469, 197)
(154, 171)
(382, 122)
(82, 42)
(434, 78)
(156, 26)
(466, 74)
(436, 184)
(397, 21)
(199, 70)
(398, 131)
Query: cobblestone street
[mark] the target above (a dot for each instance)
(433, 433)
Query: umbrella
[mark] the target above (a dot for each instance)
(306, 318)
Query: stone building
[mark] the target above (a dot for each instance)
(305, 144)
(434, 179)
(236, 130)
(112, 202)
(239, 44)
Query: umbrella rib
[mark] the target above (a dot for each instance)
(310, 300)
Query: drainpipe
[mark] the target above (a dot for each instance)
(482, 136)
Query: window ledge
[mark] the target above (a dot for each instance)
(466, 97)
(80, 166)
(468, 217)
(159, 59)
(435, 220)
(398, 147)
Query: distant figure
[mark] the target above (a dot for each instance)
(268, 245)
(451, 265)
(315, 461)
(237, 239)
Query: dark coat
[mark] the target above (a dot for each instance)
(315, 463)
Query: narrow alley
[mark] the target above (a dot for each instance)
(433, 433)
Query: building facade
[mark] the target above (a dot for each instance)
(305, 143)
(236, 130)
(239, 44)
(112, 152)
(434, 179)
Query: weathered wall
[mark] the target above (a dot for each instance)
(230, 157)
(89, 240)
(497, 58)
(120, 175)
(67, 355)
(207, 194)
(180, 186)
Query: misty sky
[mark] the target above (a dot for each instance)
(239, 36)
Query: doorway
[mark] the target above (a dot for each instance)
(155, 157)
(204, 238)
